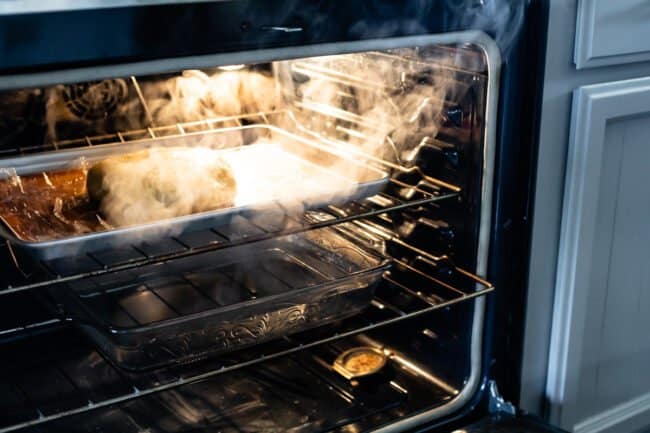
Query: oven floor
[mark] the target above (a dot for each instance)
(294, 393)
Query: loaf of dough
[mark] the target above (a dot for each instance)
(160, 183)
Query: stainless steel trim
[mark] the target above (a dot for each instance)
(235, 58)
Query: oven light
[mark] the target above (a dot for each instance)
(231, 67)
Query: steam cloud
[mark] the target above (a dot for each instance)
(370, 106)
(389, 102)
(196, 95)
(113, 105)
(370, 103)
(502, 19)
(161, 183)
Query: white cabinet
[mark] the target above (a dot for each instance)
(612, 32)
(587, 342)
(599, 370)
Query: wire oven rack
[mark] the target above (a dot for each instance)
(394, 302)
(427, 190)
(397, 299)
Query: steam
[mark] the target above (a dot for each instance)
(502, 19)
(196, 95)
(168, 182)
(367, 107)
(268, 173)
(161, 183)
(56, 112)
(111, 105)
(347, 113)
(385, 104)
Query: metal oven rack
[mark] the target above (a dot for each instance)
(395, 300)
(428, 190)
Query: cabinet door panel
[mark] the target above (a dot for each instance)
(612, 32)
(599, 368)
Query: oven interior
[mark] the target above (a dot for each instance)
(96, 335)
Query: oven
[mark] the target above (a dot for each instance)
(266, 216)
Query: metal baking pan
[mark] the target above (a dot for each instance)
(224, 300)
(316, 165)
